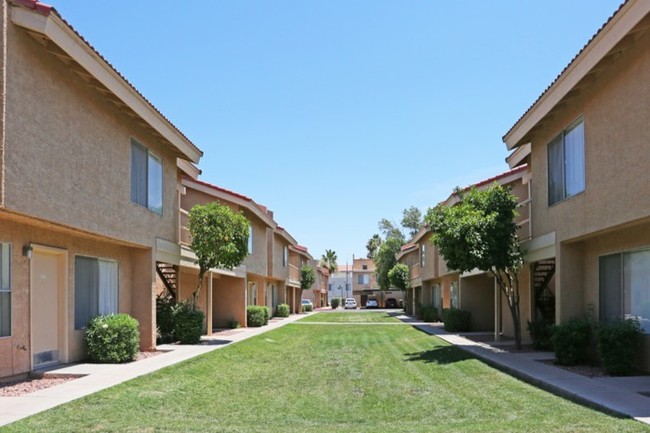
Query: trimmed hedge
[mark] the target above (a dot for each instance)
(307, 308)
(571, 341)
(257, 315)
(430, 314)
(282, 310)
(112, 339)
(541, 332)
(456, 320)
(188, 323)
(335, 302)
(618, 345)
(165, 318)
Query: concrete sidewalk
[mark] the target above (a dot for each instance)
(97, 377)
(618, 395)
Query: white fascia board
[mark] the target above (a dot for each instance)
(56, 30)
(624, 21)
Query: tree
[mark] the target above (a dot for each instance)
(390, 230)
(412, 220)
(385, 260)
(399, 276)
(480, 232)
(307, 277)
(328, 261)
(373, 245)
(219, 239)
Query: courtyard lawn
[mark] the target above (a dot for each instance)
(324, 378)
(353, 316)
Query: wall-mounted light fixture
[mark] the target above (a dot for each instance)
(28, 251)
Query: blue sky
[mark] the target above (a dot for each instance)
(359, 108)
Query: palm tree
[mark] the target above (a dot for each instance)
(328, 261)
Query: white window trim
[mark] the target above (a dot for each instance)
(151, 154)
(104, 259)
(562, 134)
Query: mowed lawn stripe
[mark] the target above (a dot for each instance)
(325, 378)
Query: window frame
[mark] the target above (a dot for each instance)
(561, 141)
(285, 256)
(423, 252)
(7, 290)
(150, 156)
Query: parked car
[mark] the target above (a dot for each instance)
(372, 303)
(350, 303)
(391, 303)
(307, 303)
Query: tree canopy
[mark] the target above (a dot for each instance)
(399, 276)
(373, 245)
(307, 277)
(385, 260)
(219, 238)
(479, 232)
(412, 220)
(328, 261)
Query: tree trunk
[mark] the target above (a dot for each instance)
(199, 284)
(510, 288)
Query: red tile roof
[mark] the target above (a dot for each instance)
(45, 10)
(218, 188)
(497, 177)
(565, 68)
(407, 247)
(301, 248)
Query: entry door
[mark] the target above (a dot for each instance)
(45, 309)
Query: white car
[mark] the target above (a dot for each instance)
(350, 303)
(307, 303)
(372, 303)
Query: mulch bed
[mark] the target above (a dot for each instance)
(584, 370)
(16, 388)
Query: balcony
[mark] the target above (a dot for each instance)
(414, 271)
(294, 273)
(523, 221)
(183, 230)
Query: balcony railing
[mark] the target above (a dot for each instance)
(184, 231)
(294, 273)
(414, 271)
(524, 226)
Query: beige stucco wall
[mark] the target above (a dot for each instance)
(135, 297)
(477, 297)
(280, 271)
(228, 301)
(616, 152)
(67, 151)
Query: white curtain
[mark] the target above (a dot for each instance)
(5, 290)
(574, 160)
(138, 174)
(108, 287)
(555, 171)
(636, 280)
(155, 181)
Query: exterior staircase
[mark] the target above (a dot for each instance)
(543, 272)
(168, 275)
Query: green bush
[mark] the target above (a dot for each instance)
(456, 320)
(571, 341)
(233, 324)
(430, 314)
(165, 318)
(541, 332)
(112, 339)
(257, 316)
(334, 303)
(307, 308)
(282, 310)
(618, 344)
(188, 323)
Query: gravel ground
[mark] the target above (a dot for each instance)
(25, 386)
(585, 370)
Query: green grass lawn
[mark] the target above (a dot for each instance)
(322, 378)
(351, 317)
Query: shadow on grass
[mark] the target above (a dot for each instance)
(440, 355)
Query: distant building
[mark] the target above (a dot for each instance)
(340, 282)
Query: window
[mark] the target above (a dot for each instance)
(363, 279)
(330, 287)
(285, 257)
(5, 290)
(625, 287)
(453, 295)
(423, 251)
(250, 239)
(566, 163)
(146, 178)
(252, 293)
(364, 267)
(96, 289)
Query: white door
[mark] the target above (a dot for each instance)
(45, 308)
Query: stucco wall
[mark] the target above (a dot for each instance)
(280, 271)
(68, 151)
(228, 301)
(477, 297)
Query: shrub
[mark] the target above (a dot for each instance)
(571, 341)
(334, 303)
(541, 332)
(456, 320)
(113, 339)
(307, 308)
(257, 316)
(282, 310)
(188, 323)
(618, 345)
(430, 314)
(165, 318)
(233, 324)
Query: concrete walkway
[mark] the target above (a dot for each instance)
(618, 395)
(97, 377)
